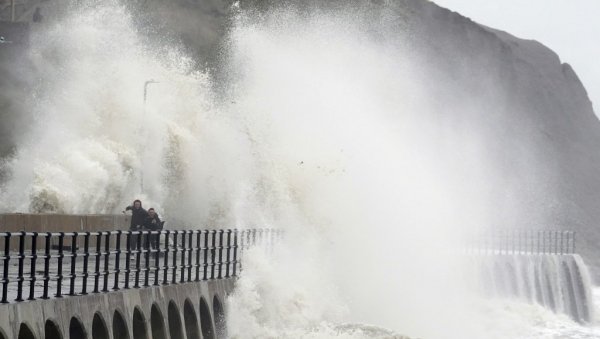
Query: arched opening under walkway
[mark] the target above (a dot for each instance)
(191, 321)
(140, 331)
(119, 326)
(175, 327)
(99, 329)
(25, 332)
(220, 326)
(51, 330)
(2, 335)
(206, 323)
(157, 323)
(76, 329)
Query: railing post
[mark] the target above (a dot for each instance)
(166, 260)
(127, 258)
(97, 262)
(228, 257)
(5, 278)
(47, 258)
(61, 255)
(531, 242)
(213, 253)
(235, 249)
(106, 272)
(198, 251)
(157, 253)
(273, 240)
(73, 274)
(562, 246)
(147, 259)
(117, 260)
(205, 277)
(183, 250)
(242, 246)
(573, 247)
(555, 242)
(32, 265)
(86, 258)
(190, 252)
(138, 253)
(544, 241)
(175, 250)
(21, 259)
(221, 232)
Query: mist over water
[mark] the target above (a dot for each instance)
(321, 123)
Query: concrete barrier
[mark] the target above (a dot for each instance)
(16, 222)
(181, 311)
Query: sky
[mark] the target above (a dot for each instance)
(569, 27)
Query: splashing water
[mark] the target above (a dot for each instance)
(323, 126)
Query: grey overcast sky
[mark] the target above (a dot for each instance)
(569, 27)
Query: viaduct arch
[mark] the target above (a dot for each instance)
(160, 312)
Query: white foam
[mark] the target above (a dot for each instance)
(321, 130)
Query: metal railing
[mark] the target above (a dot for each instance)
(52, 265)
(523, 242)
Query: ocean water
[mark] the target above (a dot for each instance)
(321, 123)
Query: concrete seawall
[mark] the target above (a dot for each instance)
(182, 311)
(15, 222)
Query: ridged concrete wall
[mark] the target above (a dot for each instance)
(111, 315)
(15, 222)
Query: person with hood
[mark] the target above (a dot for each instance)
(138, 215)
(153, 223)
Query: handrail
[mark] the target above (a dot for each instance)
(522, 242)
(104, 261)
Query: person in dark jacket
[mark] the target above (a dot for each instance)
(37, 15)
(153, 223)
(138, 216)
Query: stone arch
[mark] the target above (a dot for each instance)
(191, 321)
(175, 326)
(3, 334)
(76, 329)
(219, 315)
(206, 323)
(157, 323)
(25, 332)
(51, 330)
(140, 330)
(99, 328)
(119, 326)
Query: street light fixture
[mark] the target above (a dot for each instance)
(146, 84)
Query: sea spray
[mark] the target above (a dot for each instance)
(324, 126)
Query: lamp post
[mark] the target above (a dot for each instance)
(146, 84)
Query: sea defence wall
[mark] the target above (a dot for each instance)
(560, 282)
(16, 222)
(183, 311)
(535, 266)
(120, 284)
(55, 223)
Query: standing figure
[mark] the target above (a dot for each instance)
(153, 223)
(138, 216)
(37, 15)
